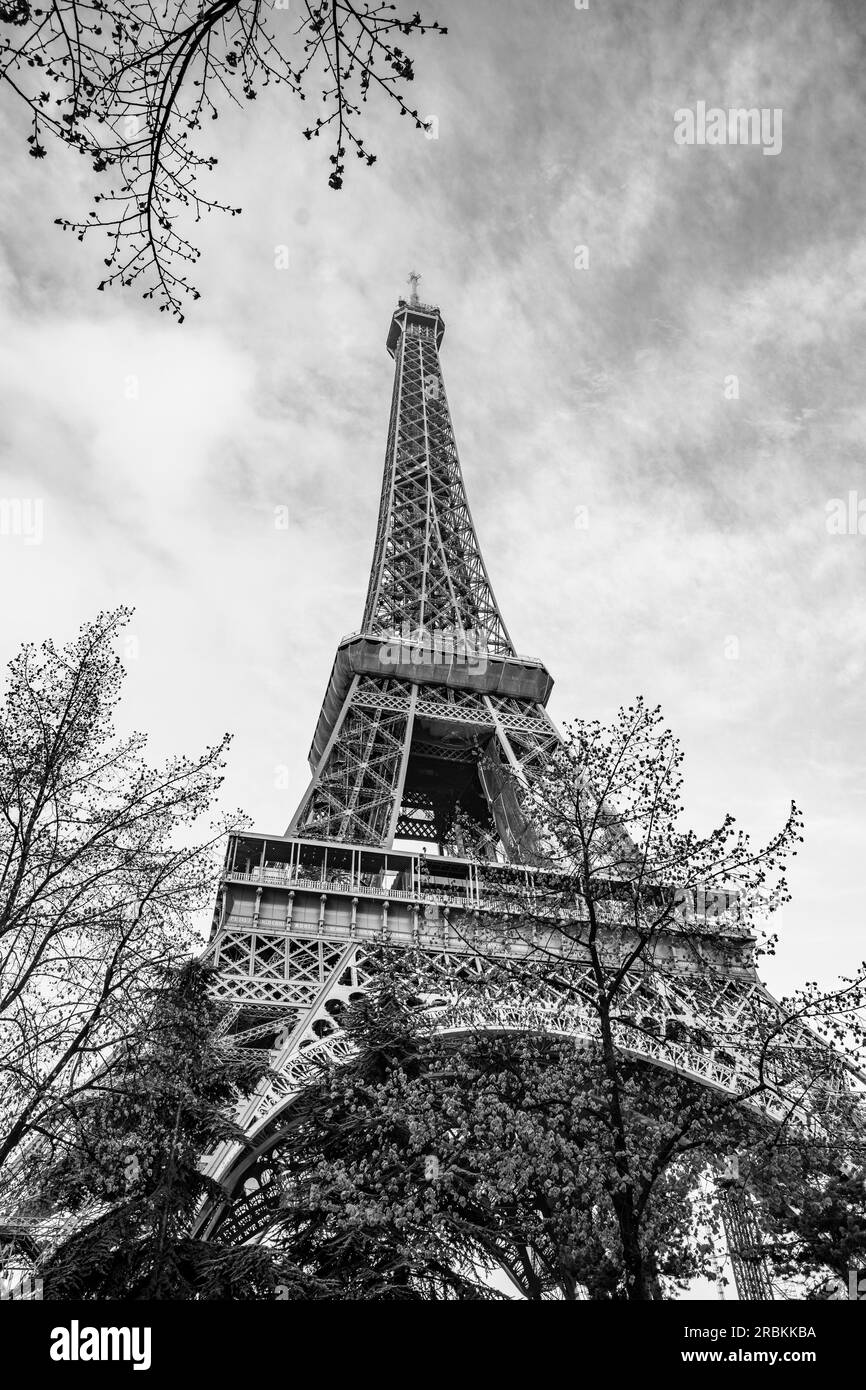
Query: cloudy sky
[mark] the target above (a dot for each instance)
(646, 528)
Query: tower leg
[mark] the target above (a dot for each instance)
(748, 1260)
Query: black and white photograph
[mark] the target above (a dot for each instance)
(433, 592)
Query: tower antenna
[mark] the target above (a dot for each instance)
(414, 277)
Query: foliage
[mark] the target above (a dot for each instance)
(127, 1171)
(639, 936)
(585, 1164)
(813, 1210)
(430, 1167)
(100, 874)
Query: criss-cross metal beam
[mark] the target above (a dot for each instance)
(430, 729)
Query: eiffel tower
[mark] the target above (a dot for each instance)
(429, 725)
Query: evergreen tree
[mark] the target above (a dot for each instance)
(128, 1171)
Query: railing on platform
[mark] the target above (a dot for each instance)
(401, 875)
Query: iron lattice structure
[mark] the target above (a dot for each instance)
(427, 566)
(748, 1261)
(430, 725)
(428, 707)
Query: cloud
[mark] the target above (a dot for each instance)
(601, 388)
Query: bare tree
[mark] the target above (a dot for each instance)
(101, 871)
(129, 85)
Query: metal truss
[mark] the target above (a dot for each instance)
(427, 577)
(663, 1021)
(427, 568)
(444, 757)
(361, 790)
(748, 1259)
(703, 1024)
(357, 785)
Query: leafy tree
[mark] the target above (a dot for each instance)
(636, 941)
(584, 1164)
(125, 1183)
(427, 1165)
(128, 86)
(813, 1210)
(100, 874)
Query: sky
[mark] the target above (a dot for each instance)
(654, 358)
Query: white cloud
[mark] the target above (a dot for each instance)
(601, 388)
